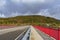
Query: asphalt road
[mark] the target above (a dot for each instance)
(11, 35)
(35, 34)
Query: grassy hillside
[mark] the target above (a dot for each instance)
(31, 20)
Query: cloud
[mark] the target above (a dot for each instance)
(16, 1)
(14, 14)
(32, 1)
(2, 3)
(30, 7)
(2, 15)
(29, 1)
(44, 12)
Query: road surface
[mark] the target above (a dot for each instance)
(39, 35)
(24, 33)
(8, 34)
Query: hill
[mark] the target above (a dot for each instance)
(31, 20)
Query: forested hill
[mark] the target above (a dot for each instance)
(31, 20)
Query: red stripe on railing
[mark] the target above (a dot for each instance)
(53, 33)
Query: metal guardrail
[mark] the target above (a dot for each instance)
(25, 35)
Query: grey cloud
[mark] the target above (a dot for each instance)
(31, 8)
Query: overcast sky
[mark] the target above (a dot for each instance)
(49, 8)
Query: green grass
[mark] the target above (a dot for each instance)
(31, 20)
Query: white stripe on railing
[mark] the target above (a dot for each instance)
(24, 36)
(27, 35)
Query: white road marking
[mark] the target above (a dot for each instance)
(3, 31)
(35, 35)
(20, 36)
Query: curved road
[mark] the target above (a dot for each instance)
(23, 33)
(11, 33)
